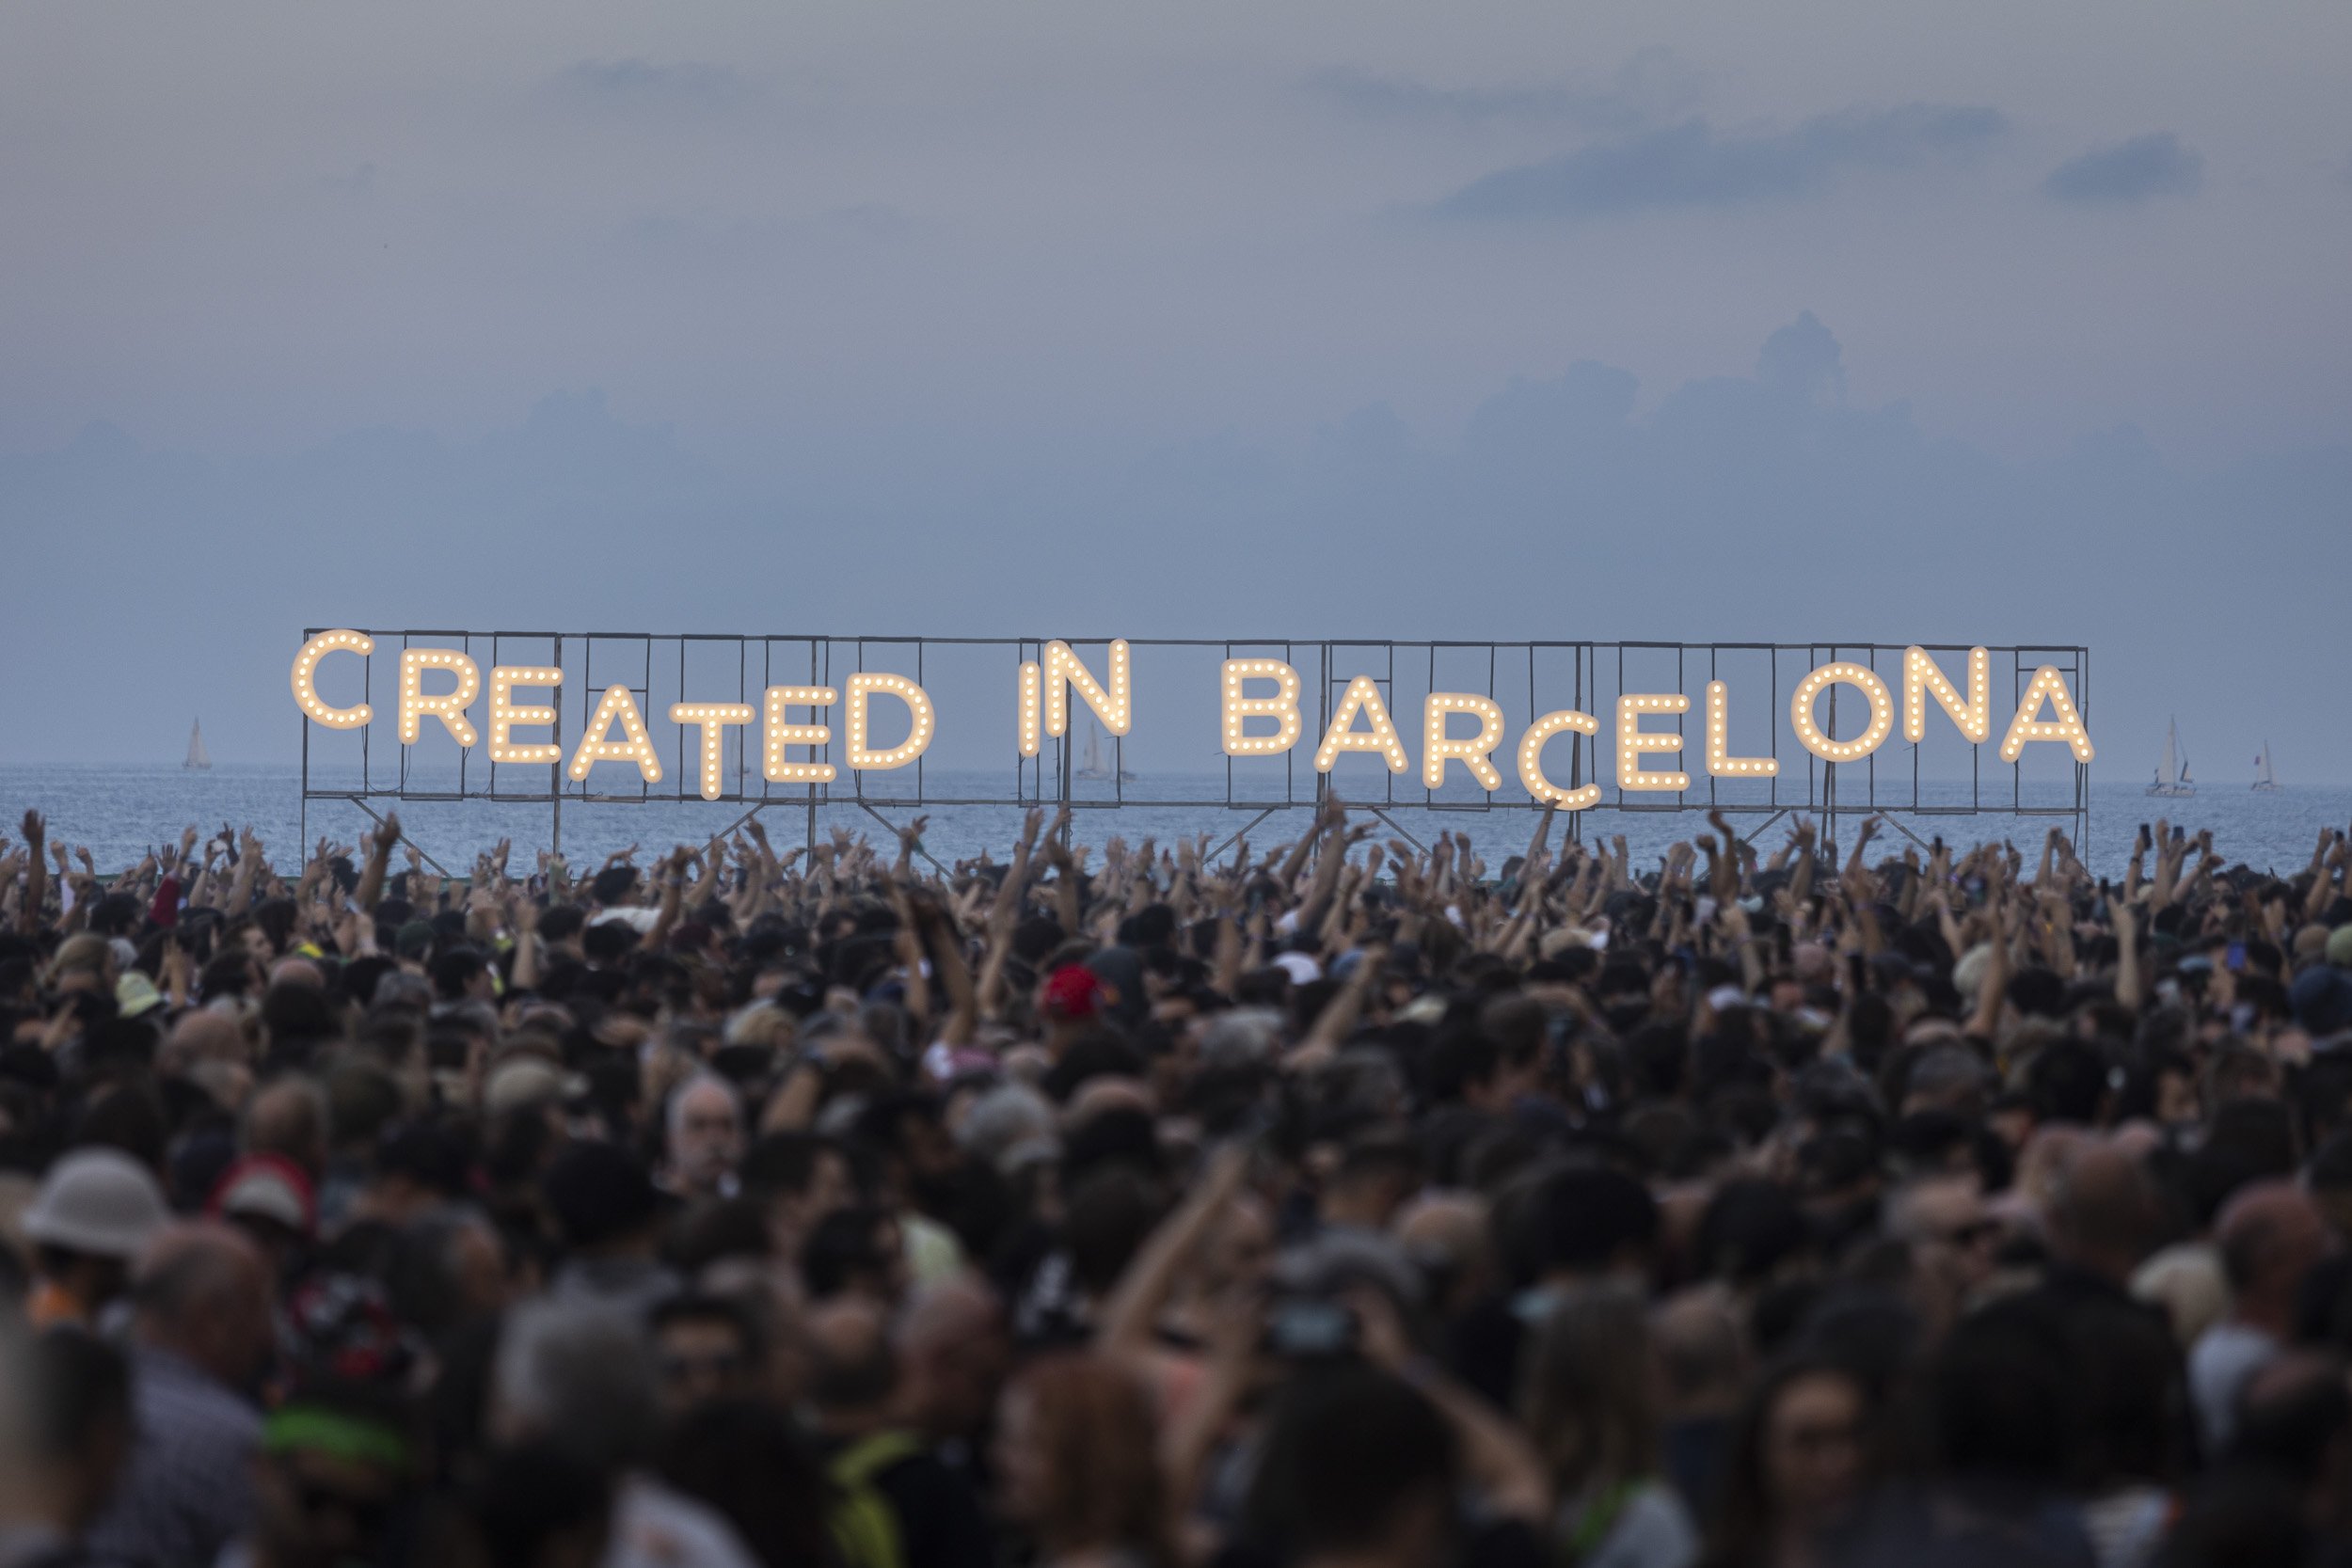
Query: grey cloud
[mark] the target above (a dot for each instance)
(1651, 85)
(2144, 166)
(1804, 358)
(639, 86)
(1694, 164)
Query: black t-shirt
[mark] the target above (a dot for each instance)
(940, 1521)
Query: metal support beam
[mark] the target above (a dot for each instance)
(878, 817)
(403, 837)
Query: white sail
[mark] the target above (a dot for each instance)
(2172, 778)
(2266, 774)
(199, 758)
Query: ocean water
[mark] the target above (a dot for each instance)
(118, 811)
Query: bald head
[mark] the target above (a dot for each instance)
(2104, 1211)
(203, 1294)
(203, 1036)
(297, 972)
(948, 1315)
(2271, 1233)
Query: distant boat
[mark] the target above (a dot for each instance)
(199, 760)
(2265, 776)
(2172, 778)
(1092, 767)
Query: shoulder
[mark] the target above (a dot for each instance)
(657, 1528)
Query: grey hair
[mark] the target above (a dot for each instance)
(1242, 1038)
(578, 1376)
(1007, 1125)
(675, 1114)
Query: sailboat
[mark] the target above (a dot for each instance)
(2265, 776)
(2172, 778)
(1092, 767)
(199, 760)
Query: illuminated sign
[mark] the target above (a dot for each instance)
(1261, 711)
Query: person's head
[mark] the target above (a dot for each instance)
(333, 1466)
(1594, 1222)
(202, 1292)
(289, 1117)
(1591, 1390)
(705, 1132)
(1076, 1459)
(2271, 1233)
(746, 1460)
(449, 1266)
(803, 1176)
(95, 1212)
(601, 1198)
(2294, 1420)
(536, 1506)
(2105, 1212)
(577, 1376)
(857, 1251)
(955, 1347)
(1799, 1456)
(1356, 1463)
(461, 975)
(705, 1348)
(1943, 1220)
(854, 1379)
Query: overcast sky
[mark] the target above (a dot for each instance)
(1788, 319)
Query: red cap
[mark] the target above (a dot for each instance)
(1072, 992)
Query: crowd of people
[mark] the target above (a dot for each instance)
(1352, 1205)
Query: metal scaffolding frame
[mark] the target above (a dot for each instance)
(1595, 674)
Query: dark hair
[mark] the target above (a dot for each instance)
(785, 1163)
(730, 1313)
(844, 1244)
(1744, 1518)
(526, 1496)
(1347, 1449)
(746, 1460)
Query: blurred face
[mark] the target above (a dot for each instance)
(710, 1136)
(1813, 1450)
(1957, 1234)
(700, 1360)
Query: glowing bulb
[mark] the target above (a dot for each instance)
(1810, 735)
(1470, 750)
(778, 734)
(1283, 707)
(1532, 759)
(863, 685)
(712, 718)
(1633, 741)
(595, 744)
(305, 689)
(1063, 671)
(505, 715)
(448, 706)
(1361, 696)
(2066, 723)
(1921, 677)
(1720, 762)
(1032, 683)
